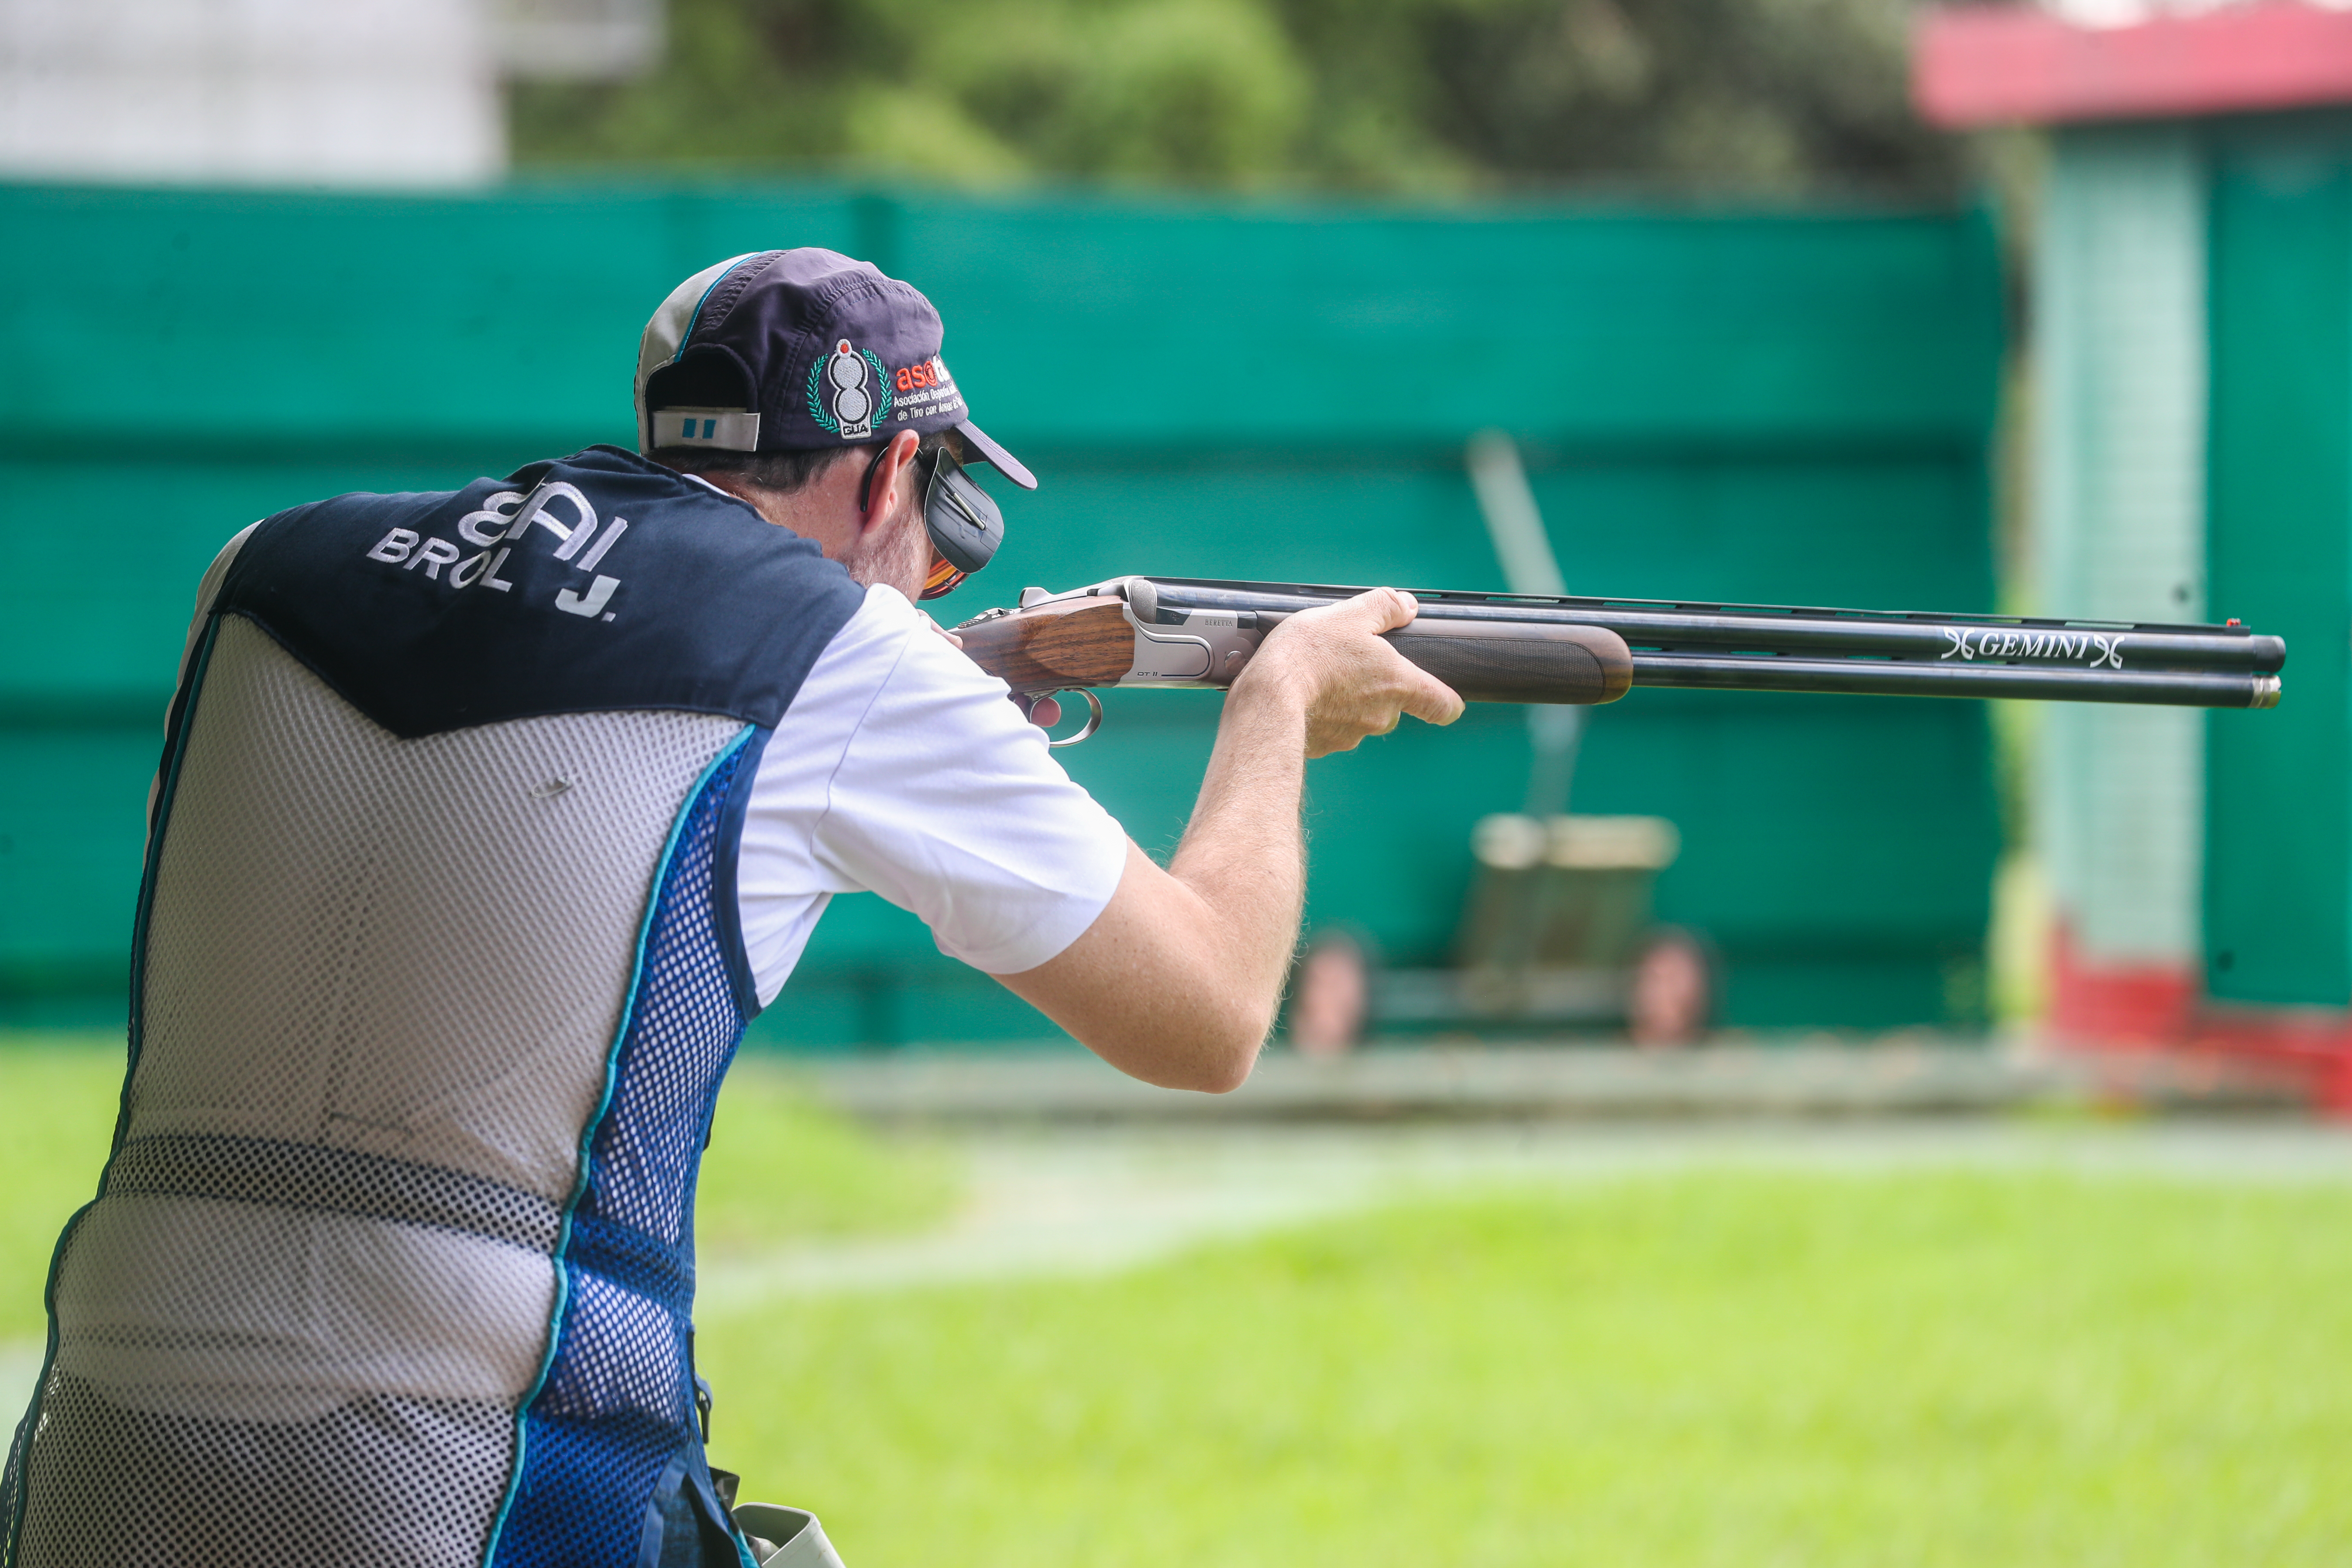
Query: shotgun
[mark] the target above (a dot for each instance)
(1513, 648)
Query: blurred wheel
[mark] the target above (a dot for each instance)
(1330, 997)
(1671, 999)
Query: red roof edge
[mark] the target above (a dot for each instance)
(1992, 65)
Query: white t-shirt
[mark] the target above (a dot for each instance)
(900, 769)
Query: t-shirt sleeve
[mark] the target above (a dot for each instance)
(900, 769)
(207, 590)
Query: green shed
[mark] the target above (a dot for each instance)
(2193, 461)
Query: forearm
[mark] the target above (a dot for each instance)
(1179, 978)
(1177, 982)
(1243, 853)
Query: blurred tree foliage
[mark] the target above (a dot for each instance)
(1406, 96)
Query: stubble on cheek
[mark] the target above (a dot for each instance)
(898, 555)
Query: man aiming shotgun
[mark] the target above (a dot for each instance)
(487, 817)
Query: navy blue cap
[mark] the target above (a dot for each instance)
(792, 350)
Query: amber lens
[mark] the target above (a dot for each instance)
(942, 579)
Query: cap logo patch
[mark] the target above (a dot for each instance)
(848, 392)
(925, 390)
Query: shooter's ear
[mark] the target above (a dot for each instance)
(885, 471)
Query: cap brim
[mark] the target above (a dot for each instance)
(1005, 462)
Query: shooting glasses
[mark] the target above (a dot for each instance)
(962, 521)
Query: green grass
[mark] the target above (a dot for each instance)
(1897, 1369)
(1900, 1368)
(779, 1169)
(57, 1099)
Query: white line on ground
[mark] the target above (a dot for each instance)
(1074, 1201)
(20, 1368)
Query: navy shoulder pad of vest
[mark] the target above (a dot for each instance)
(591, 583)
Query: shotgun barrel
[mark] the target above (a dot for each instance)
(1506, 647)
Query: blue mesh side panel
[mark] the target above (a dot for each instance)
(617, 1404)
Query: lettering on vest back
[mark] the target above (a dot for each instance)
(504, 517)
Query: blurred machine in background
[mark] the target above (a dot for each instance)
(2192, 459)
(371, 93)
(1556, 931)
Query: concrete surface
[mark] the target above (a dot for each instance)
(1907, 1077)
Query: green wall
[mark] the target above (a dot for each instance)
(1772, 407)
(2278, 920)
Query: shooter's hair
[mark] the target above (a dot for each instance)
(785, 473)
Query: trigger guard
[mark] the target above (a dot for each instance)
(1093, 717)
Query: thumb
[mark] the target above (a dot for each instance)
(1385, 608)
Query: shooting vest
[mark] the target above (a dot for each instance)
(436, 970)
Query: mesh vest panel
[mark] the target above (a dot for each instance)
(617, 1405)
(381, 986)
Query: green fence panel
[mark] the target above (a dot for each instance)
(2278, 850)
(1790, 407)
(1120, 327)
(256, 322)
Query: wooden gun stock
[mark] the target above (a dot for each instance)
(1062, 645)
